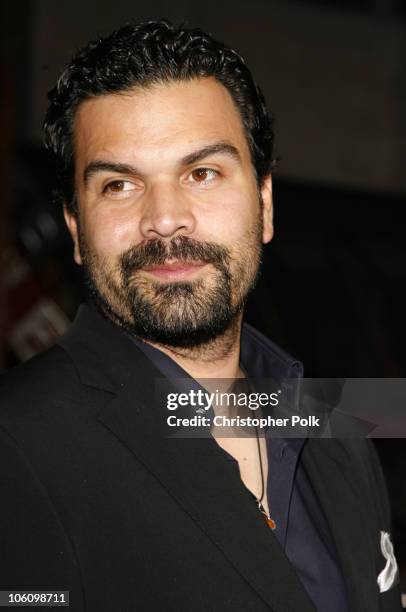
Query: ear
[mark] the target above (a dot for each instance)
(267, 209)
(72, 223)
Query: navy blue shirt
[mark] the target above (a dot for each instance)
(301, 527)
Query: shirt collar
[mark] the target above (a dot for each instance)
(260, 358)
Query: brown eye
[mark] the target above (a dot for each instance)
(115, 186)
(118, 187)
(203, 175)
(200, 174)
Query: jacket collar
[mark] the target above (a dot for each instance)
(104, 356)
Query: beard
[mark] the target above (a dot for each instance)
(181, 314)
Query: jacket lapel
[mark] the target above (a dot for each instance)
(334, 479)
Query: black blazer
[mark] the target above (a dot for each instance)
(95, 501)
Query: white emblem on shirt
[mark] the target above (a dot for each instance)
(387, 576)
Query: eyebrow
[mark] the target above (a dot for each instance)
(99, 165)
(223, 147)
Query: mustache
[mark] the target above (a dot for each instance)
(183, 249)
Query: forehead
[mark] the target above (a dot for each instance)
(165, 118)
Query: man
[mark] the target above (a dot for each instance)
(163, 147)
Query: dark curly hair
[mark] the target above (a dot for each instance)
(144, 54)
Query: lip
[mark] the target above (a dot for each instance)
(175, 270)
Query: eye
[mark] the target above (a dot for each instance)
(203, 176)
(118, 187)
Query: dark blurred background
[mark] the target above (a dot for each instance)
(334, 75)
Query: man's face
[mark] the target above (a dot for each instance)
(170, 223)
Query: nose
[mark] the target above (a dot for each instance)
(167, 213)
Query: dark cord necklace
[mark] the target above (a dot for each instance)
(268, 520)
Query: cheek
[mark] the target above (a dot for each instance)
(110, 233)
(234, 216)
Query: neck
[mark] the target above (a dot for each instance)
(218, 358)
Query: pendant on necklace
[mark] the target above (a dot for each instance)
(268, 520)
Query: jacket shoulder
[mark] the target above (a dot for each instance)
(38, 380)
